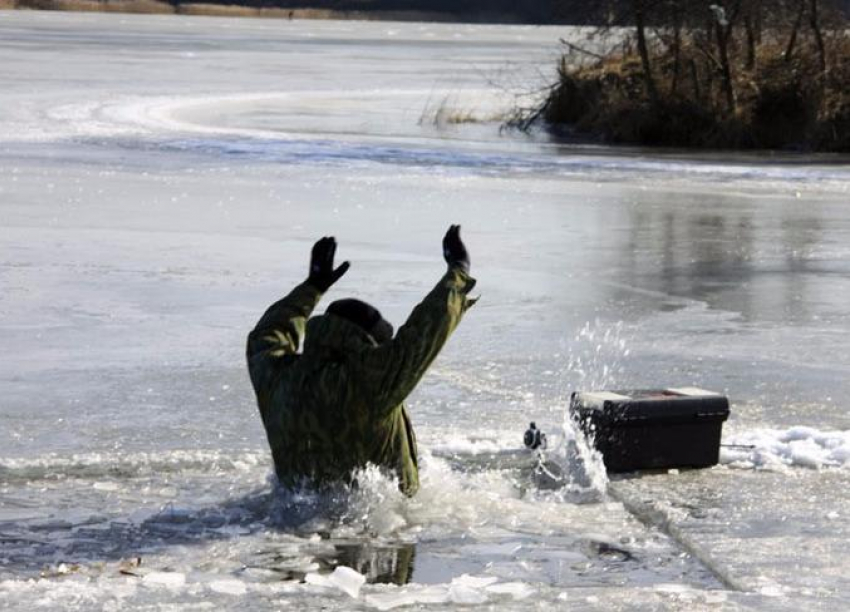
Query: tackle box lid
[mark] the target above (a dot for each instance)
(651, 404)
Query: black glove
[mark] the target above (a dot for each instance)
(454, 251)
(322, 273)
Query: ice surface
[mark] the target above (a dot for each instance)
(390, 598)
(228, 587)
(343, 578)
(517, 590)
(463, 590)
(796, 446)
(161, 182)
(465, 595)
(165, 579)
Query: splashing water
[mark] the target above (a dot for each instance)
(596, 360)
(570, 469)
(597, 356)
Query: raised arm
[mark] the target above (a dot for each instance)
(391, 371)
(281, 328)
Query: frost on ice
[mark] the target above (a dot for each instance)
(796, 446)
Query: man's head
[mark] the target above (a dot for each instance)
(365, 316)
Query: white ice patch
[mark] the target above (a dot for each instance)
(517, 590)
(392, 597)
(462, 444)
(778, 448)
(343, 578)
(228, 586)
(98, 465)
(165, 579)
(474, 582)
(463, 590)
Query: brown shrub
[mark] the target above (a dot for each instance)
(783, 115)
(138, 6)
(106, 6)
(217, 10)
(779, 102)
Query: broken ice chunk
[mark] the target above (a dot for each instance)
(517, 590)
(474, 582)
(343, 578)
(465, 595)
(394, 597)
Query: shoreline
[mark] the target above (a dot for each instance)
(157, 7)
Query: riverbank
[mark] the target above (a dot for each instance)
(778, 103)
(156, 7)
(765, 75)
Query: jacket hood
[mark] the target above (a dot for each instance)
(329, 334)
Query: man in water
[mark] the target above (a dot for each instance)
(337, 406)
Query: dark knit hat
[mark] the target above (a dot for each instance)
(365, 316)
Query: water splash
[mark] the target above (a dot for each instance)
(597, 358)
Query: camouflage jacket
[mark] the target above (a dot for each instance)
(337, 406)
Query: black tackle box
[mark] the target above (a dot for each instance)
(652, 429)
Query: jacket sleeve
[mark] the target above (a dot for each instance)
(281, 328)
(391, 371)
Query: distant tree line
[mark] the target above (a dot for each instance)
(542, 12)
(528, 11)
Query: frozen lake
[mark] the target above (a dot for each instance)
(161, 182)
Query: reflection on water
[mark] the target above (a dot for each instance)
(724, 251)
(380, 564)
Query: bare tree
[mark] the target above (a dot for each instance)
(723, 28)
(814, 22)
(639, 10)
